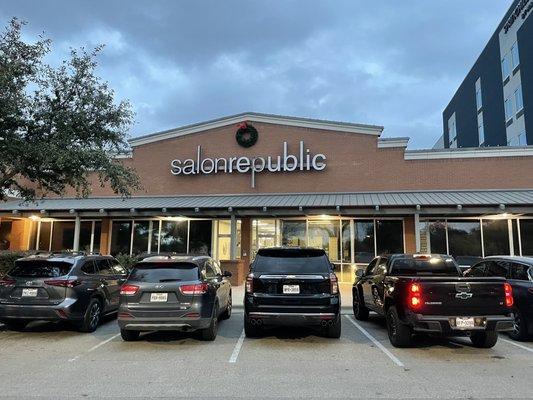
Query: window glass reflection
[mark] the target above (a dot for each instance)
(496, 237)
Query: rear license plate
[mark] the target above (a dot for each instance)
(159, 297)
(464, 323)
(291, 289)
(29, 292)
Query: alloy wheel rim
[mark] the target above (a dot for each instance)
(94, 315)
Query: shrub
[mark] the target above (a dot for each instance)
(127, 261)
(7, 259)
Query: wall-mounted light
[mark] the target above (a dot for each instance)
(502, 206)
(418, 207)
(376, 208)
(164, 210)
(265, 209)
(338, 208)
(230, 209)
(196, 209)
(300, 208)
(43, 211)
(15, 212)
(459, 207)
(35, 217)
(72, 211)
(132, 210)
(101, 211)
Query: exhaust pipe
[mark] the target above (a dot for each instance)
(253, 322)
(325, 323)
(256, 322)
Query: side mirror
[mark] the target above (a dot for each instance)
(226, 274)
(360, 273)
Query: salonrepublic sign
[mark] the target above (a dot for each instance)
(288, 160)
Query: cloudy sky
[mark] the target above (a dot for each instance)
(385, 62)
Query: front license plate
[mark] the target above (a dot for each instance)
(291, 289)
(159, 297)
(29, 292)
(464, 323)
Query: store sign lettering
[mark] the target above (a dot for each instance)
(522, 9)
(304, 160)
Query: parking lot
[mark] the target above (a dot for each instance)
(54, 361)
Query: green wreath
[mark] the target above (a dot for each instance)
(246, 135)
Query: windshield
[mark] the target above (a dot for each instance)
(40, 269)
(165, 272)
(292, 264)
(425, 266)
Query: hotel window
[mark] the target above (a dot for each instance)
(389, 237)
(508, 110)
(515, 56)
(364, 241)
(5, 234)
(452, 132)
(325, 235)
(464, 241)
(479, 99)
(481, 129)
(522, 139)
(519, 101)
(496, 237)
(506, 71)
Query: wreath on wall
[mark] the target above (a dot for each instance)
(246, 135)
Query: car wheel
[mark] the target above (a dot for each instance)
(129, 336)
(251, 331)
(334, 331)
(16, 325)
(92, 316)
(227, 312)
(400, 335)
(484, 340)
(360, 311)
(520, 327)
(210, 333)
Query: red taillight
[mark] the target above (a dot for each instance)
(250, 283)
(7, 281)
(68, 283)
(509, 301)
(199, 288)
(414, 297)
(334, 284)
(192, 315)
(124, 315)
(129, 290)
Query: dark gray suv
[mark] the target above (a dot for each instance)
(177, 293)
(73, 287)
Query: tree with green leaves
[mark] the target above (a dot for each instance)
(60, 127)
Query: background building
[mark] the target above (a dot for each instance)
(494, 104)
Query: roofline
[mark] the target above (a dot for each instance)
(258, 117)
(469, 152)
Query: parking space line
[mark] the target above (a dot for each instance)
(376, 342)
(517, 345)
(96, 346)
(237, 349)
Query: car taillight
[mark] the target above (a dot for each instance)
(7, 281)
(68, 283)
(250, 283)
(414, 296)
(199, 288)
(509, 301)
(334, 284)
(129, 290)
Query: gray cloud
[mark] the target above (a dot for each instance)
(382, 62)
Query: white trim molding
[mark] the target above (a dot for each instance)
(488, 152)
(387, 143)
(262, 118)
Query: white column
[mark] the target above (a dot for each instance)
(77, 228)
(417, 232)
(233, 240)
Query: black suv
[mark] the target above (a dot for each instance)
(292, 286)
(73, 287)
(176, 293)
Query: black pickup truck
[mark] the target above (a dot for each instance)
(429, 294)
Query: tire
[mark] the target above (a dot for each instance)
(16, 325)
(520, 332)
(227, 312)
(210, 333)
(334, 331)
(484, 340)
(251, 331)
(92, 316)
(360, 312)
(129, 336)
(400, 335)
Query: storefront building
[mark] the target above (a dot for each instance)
(231, 186)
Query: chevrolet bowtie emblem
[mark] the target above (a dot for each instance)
(464, 295)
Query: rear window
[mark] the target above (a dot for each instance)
(40, 269)
(291, 262)
(425, 266)
(165, 272)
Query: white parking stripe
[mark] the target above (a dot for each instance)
(237, 349)
(95, 347)
(376, 342)
(517, 345)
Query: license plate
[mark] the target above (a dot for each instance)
(291, 289)
(159, 297)
(464, 323)
(29, 292)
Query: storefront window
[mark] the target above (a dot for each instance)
(224, 239)
(263, 234)
(62, 235)
(437, 237)
(325, 235)
(154, 246)
(121, 237)
(173, 237)
(464, 238)
(364, 241)
(496, 237)
(346, 242)
(5, 234)
(516, 240)
(44, 236)
(86, 229)
(200, 237)
(389, 237)
(294, 234)
(526, 234)
(141, 232)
